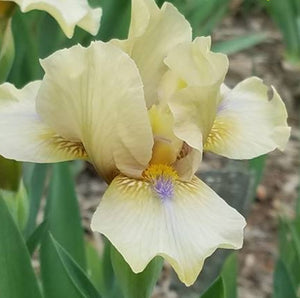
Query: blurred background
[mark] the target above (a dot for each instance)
(262, 38)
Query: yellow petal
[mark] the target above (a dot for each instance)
(195, 64)
(194, 110)
(68, 13)
(185, 223)
(248, 124)
(141, 13)
(153, 33)
(95, 95)
(166, 145)
(23, 136)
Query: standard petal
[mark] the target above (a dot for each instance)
(23, 136)
(68, 13)
(248, 124)
(194, 111)
(153, 33)
(185, 228)
(196, 65)
(95, 95)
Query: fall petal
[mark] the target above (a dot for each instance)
(185, 226)
(248, 124)
(23, 135)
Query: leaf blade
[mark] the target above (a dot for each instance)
(15, 266)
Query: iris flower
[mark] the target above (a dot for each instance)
(142, 111)
(68, 13)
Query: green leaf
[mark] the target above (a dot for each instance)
(288, 252)
(240, 43)
(229, 276)
(62, 212)
(26, 66)
(17, 203)
(56, 282)
(34, 179)
(75, 273)
(101, 272)
(115, 19)
(216, 290)
(94, 268)
(7, 48)
(10, 173)
(16, 274)
(136, 285)
(298, 207)
(283, 286)
(225, 286)
(35, 239)
(286, 16)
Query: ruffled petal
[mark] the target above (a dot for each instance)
(23, 136)
(95, 95)
(68, 13)
(185, 224)
(248, 124)
(153, 33)
(195, 64)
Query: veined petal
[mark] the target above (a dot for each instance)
(248, 124)
(195, 64)
(153, 33)
(68, 13)
(23, 136)
(185, 224)
(95, 95)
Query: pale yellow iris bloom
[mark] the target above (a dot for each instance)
(68, 13)
(143, 111)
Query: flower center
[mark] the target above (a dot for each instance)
(162, 177)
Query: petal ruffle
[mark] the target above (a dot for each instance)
(68, 13)
(248, 124)
(23, 136)
(196, 65)
(153, 33)
(184, 229)
(95, 95)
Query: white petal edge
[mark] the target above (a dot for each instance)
(185, 229)
(195, 64)
(68, 13)
(23, 136)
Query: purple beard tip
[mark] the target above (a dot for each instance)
(164, 188)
